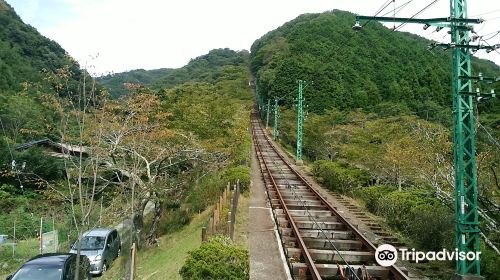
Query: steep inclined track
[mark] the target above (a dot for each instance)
(318, 242)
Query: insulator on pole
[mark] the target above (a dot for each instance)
(357, 27)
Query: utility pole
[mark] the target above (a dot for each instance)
(466, 207)
(276, 112)
(267, 112)
(259, 100)
(300, 118)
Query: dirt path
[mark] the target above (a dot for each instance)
(266, 257)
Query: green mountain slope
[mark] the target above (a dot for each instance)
(206, 68)
(24, 53)
(353, 69)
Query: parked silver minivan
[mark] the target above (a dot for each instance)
(101, 246)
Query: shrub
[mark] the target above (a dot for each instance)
(417, 214)
(339, 176)
(371, 196)
(172, 220)
(205, 192)
(489, 263)
(397, 206)
(217, 259)
(431, 227)
(234, 174)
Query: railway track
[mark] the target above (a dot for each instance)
(317, 241)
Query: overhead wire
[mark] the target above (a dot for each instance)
(494, 47)
(492, 139)
(385, 5)
(486, 13)
(304, 205)
(492, 36)
(492, 19)
(398, 9)
(418, 13)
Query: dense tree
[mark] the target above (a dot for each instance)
(25, 53)
(217, 65)
(355, 69)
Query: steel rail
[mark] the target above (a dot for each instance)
(275, 217)
(304, 205)
(395, 271)
(307, 256)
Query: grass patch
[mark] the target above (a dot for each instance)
(25, 250)
(165, 261)
(242, 220)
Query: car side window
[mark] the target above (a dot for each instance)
(110, 239)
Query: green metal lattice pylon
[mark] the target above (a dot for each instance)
(267, 112)
(300, 118)
(466, 207)
(467, 220)
(276, 115)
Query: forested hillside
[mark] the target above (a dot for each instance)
(206, 68)
(31, 67)
(378, 124)
(25, 54)
(175, 139)
(378, 129)
(354, 69)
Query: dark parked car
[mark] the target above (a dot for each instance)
(101, 246)
(53, 267)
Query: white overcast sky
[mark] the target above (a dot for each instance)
(150, 34)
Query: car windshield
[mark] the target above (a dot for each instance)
(37, 272)
(91, 243)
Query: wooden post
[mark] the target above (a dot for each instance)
(224, 197)
(41, 235)
(14, 242)
(203, 234)
(216, 219)
(211, 225)
(219, 210)
(234, 208)
(132, 261)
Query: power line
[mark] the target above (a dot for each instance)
(491, 19)
(487, 13)
(481, 37)
(492, 36)
(398, 9)
(419, 12)
(486, 42)
(385, 5)
(492, 139)
(488, 33)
